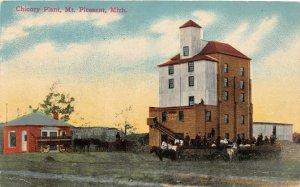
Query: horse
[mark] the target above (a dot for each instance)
(164, 153)
(100, 145)
(82, 144)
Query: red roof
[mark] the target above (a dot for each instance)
(211, 48)
(176, 59)
(223, 48)
(190, 23)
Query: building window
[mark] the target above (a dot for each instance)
(12, 139)
(225, 68)
(186, 51)
(242, 97)
(191, 67)
(242, 71)
(179, 136)
(226, 96)
(191, 100)
(226, 82)
(164, 116)
(53, 134)
(226, 118)
(181, 116)
(208, 116)
(242, 119)
(171, 69)
(191, 80)
(171, 83)
(44, 134)
(242, 85)
(227, 135)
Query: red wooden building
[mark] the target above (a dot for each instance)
(26, 133)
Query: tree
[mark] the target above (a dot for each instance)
(123, 123)
(56, 102)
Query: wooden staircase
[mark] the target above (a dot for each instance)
(152, 122)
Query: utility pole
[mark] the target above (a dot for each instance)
(6, 111)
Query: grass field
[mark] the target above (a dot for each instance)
(128, 169)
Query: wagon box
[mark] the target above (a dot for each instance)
(30, 132)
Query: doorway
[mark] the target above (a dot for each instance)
(24, 140)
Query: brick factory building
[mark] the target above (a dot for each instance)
(206, 86)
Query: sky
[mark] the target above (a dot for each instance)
(108, 61)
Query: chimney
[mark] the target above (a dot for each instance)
(55, 115)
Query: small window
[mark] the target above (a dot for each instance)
(208, 116)
(225, 68)
(242, 97)
(191, 67)
(242, 71)
(53, 134)
(12, 139)
(186, 51)
(225, 82)
(25, 137)
(227, 135)
(226, 118)
(181, 116)
(164, 116)
(171, 69)
(242, 85)
(171, 83)
(242, 119)
(191, 100)
(44, 134)
(191, 80)
(226, 96)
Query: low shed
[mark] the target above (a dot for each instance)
(283, 131)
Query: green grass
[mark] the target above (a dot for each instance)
(147, 168)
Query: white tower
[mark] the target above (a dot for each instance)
(191, 39)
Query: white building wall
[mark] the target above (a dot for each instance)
(283, 132)
(192, 37)
(205, 84)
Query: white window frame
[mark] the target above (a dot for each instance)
(191, 67)
(48, 130)
(186, 51)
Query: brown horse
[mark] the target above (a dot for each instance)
(100, 145)
(82, 144)
(164, 153)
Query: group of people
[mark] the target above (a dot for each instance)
(212, 141)
(200, 140)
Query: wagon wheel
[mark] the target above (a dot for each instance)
(62, 148)
(45, 148)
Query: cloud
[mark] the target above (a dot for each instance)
(248, 40)
(285, 60)
(168, 28)
(205, 18)
(20, 28)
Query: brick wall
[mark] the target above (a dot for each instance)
(194, 117)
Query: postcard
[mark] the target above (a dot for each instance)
(149, 93)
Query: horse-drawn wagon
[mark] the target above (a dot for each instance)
(221, 152)
(57, 143)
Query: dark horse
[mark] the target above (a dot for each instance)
(100, 145)
(82, 144)
(164, 153)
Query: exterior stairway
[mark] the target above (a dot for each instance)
(152, 122)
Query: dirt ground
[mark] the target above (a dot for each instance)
(143, 169)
